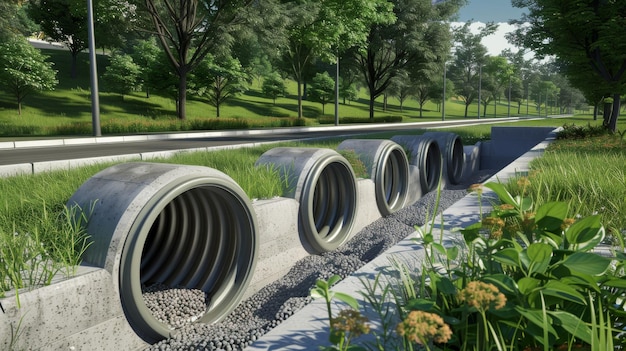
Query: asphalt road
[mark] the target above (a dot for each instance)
(51, 152)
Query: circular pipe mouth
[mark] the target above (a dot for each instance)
(324, 184)
(451, 147)
(388, 167)
(392, 181)
(430, 170)
(195, 237)
(328, 206)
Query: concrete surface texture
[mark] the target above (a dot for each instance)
(280, 245)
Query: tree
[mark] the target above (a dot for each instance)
(469, 58)
(498, 73)
(145, 53)
(220, 78)
(322, 89)
(23, 70)
(348, 91)
(587, 35)
(122, 75)
(14, 19)
(324, 29)
(273, 86)
(188, 30)
(65, 21)
(419, 35)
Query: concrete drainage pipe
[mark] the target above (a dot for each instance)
(426, 156)
(181, 226)
(388, 167)
(323, 183)
(451, 147)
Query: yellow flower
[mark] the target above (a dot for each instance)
(350, 321)
(420, 327)
(476, 188)
(567, 222)
(483, 296)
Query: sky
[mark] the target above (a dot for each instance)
(498, 11)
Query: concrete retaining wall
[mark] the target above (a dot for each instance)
(84, 313)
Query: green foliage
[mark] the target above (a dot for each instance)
(573, 131)
(122, 76)
(348, 324)
(220, 79)
(273, 86)
(322, 89)
(23, 70)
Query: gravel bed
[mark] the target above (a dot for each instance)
(278, 301)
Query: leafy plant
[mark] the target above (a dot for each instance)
(348, 323)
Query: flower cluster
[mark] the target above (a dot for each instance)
(495, 225)
(420, 327)
(483, 296)
(350, 321)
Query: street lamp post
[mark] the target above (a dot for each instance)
(93, 70)
(480, 82)
(443, 101)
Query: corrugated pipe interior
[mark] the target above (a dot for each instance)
(388, 167)
(324, 184)
(426, 156)
(451, 147)
(181, 226)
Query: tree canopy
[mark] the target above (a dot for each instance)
(586, 35)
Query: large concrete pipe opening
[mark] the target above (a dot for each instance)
(176, 226)
(388, 167)
(451, 148)
(323, 183)
(426, 156)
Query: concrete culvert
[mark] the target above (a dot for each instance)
(388, 167)
(171, 226)
(426, 156)
(324, 184)
(451, 148)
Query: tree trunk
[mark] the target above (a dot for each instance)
(299, 98)
(73, 70)
(372, 97)
(466, 107)
(615, 113)
(182, 96)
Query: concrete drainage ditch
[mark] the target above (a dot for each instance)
(193, 227)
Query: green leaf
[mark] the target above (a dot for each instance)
(527, 285)
(536, 317)
(334, 279)
(563, 291)
(573, 325)
(585, 234)
(452, 253)
(502, 193)
(619, 283)
(317, 293)
(471, 232)
(587, 263)
(351, 301)
(550, 216)
(508, 256)
(421, 305)
(539, 255)
(503, 282)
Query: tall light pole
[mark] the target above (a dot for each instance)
(93, 70)
(480, 82)
(443, 101)
(509, 110)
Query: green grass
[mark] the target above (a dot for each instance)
(66, 111)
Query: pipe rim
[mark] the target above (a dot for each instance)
(391, 180)
(328, 203)
(429, 165)
(235, 259)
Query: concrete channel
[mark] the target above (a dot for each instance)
(194, 227)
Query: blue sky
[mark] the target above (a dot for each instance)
(489, 11)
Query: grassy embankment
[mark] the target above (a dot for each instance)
(66, 111)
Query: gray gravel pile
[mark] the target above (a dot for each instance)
(281, 299)
(175, 307)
